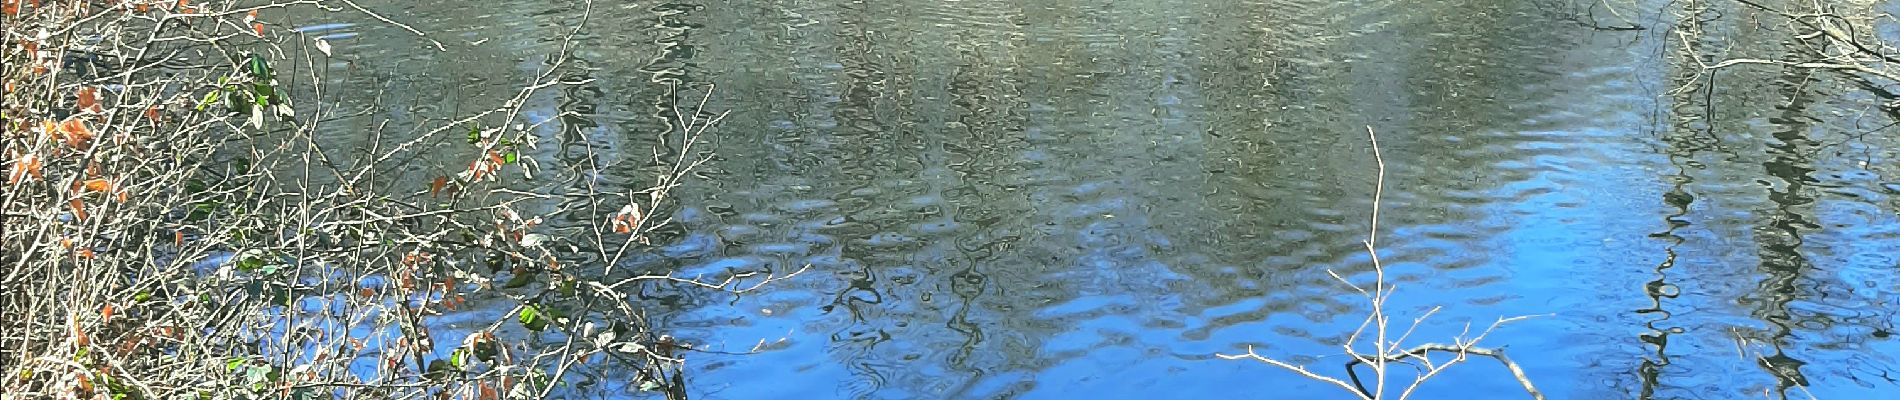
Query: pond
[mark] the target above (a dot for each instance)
(1068, 199)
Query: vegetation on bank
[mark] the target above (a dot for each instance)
(176, 225)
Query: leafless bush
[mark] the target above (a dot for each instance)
(1387, 344)
(173, 227)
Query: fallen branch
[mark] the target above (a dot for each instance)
(1388, 350)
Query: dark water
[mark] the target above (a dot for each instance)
(1062, 199)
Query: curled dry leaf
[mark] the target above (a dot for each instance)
(79, 208)
(26, 166)
(72, 131)
(79, 336)
(627, 219)
(89, 100)
(95, 185)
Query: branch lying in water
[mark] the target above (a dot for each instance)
(1387, 350)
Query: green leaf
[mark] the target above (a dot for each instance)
(259, 68)
(474, 134)
(250, 264)
(233, 364)
(486, 350)
(209, 99)
(201, 210)
(531, 319)
(263, 93)
(459, 358)
(511, 158)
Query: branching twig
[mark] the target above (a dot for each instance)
(1387, 350)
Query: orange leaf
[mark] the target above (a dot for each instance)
(487, 392)
(79, 209)
(79, 337)
(99, 185)
(152, 113)
(28, 165)
(89, 99)
(77, 134)
(436, 187)
(259, 27)
(85, 253)
(178, 238)
(627, 219)
(619, 224)
(85, 385)
(106, 313)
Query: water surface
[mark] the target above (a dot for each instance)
(1067, 199)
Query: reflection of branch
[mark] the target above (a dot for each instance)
(1841, 50)
(1810, 65)
(1594, 24)
(1462, 350)
(386, 20)
(725, 285)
